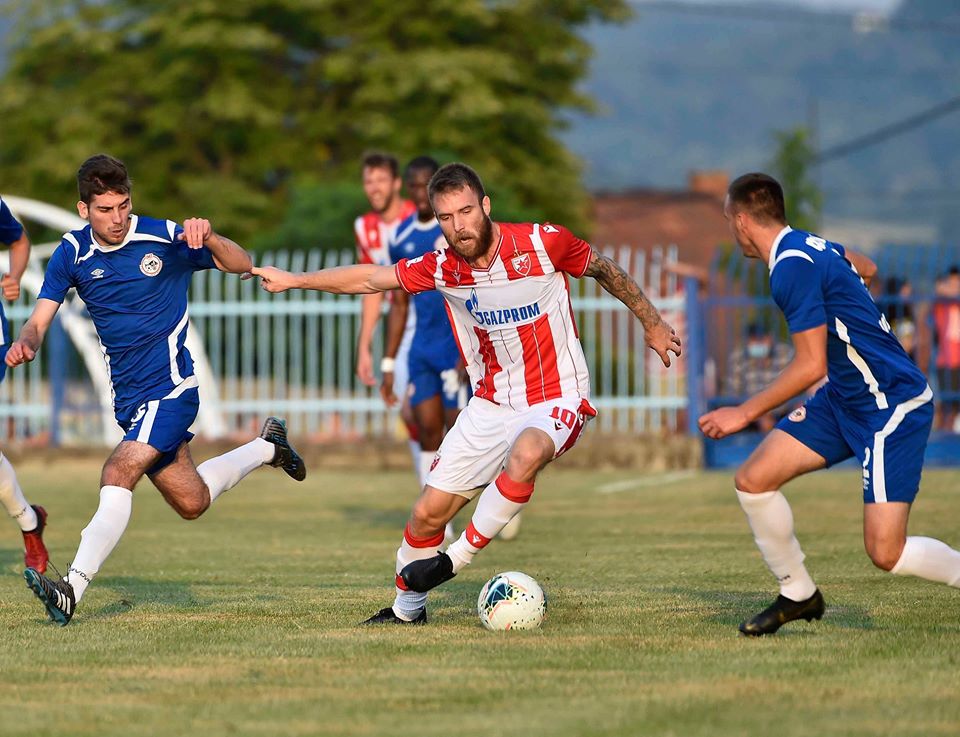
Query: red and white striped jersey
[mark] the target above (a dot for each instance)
(373, 235)
(513, 321)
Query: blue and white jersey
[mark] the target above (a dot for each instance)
(10, 231)
(136, 294)
(814, 284)
(411, 239)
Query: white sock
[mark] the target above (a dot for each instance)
(225, 471)
(100, 537)
(931, 559)
(423, 468)
(414, 447)
(12, 498)
(408, 604)
(771, 520)
(497, 505)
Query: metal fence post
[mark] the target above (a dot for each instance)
(694, 353)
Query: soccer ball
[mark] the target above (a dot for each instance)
(511, 601)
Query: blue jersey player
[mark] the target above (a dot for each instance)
(133, 272)
(436, 388)
(876, 406)
(31, 518)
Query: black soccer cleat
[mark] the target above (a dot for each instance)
(783, 610)
(423, 575)
(285, 457)
(388, 616)
(57, 596)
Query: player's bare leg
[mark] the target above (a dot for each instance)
(121, 472)
(777, 460)
(191, 489)
(430, 419)
(498, 504)
(886, 541)
(422, 538)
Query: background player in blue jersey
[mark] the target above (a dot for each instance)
(436, 385)
(876, 405)
(133, 273)
(31, 518)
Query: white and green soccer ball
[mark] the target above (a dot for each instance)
(511, 601)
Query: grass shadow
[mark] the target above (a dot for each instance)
(735, 606)
(389, 518)
(11, 559)
(132, 593)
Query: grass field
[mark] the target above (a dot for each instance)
(244, 622)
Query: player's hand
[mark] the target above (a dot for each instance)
(724, 421)
(365, 366)
(386, 389)
(662, 338)
(196, 231)
(19, 352)
(10, 286)
(272, 279)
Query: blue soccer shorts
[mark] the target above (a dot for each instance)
(163, 423)
(889, 443)
(3, 365)
(433, 374)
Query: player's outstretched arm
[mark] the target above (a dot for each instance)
(227, 255)
(659, 335)
(808, 366)
(358, 279)
(25, 347)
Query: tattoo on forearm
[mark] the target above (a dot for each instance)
(622, 286)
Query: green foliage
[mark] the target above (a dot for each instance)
(219, 108)
(792, 165)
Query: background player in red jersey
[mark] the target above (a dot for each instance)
(505, 286)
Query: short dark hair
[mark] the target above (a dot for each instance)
(381, 160)
(454, 177)
(760, 195)
(101, 174)
(421, 163)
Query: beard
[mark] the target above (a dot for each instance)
(475, 243)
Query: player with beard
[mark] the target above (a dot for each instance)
(505, 286)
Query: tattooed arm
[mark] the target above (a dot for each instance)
(659, 336)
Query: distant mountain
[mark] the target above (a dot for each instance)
(706, 87)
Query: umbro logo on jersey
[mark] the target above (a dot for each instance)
(151, 264)
(97, 273)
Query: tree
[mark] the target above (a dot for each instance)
(792, 165)
(219, 108)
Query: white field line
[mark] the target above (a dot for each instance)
(646, 481)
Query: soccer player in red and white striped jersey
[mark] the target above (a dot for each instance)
(505, 287)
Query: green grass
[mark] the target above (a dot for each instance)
(244, 622)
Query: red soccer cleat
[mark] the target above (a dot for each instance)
(35, 552)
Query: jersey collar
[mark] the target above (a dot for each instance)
(776, 245)
(96, 245)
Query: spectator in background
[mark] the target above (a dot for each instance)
(899, 313)
(754, 365)
(946, 321)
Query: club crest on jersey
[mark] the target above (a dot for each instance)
(151, 264)
(521, 264)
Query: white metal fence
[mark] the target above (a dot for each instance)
(293, 354)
